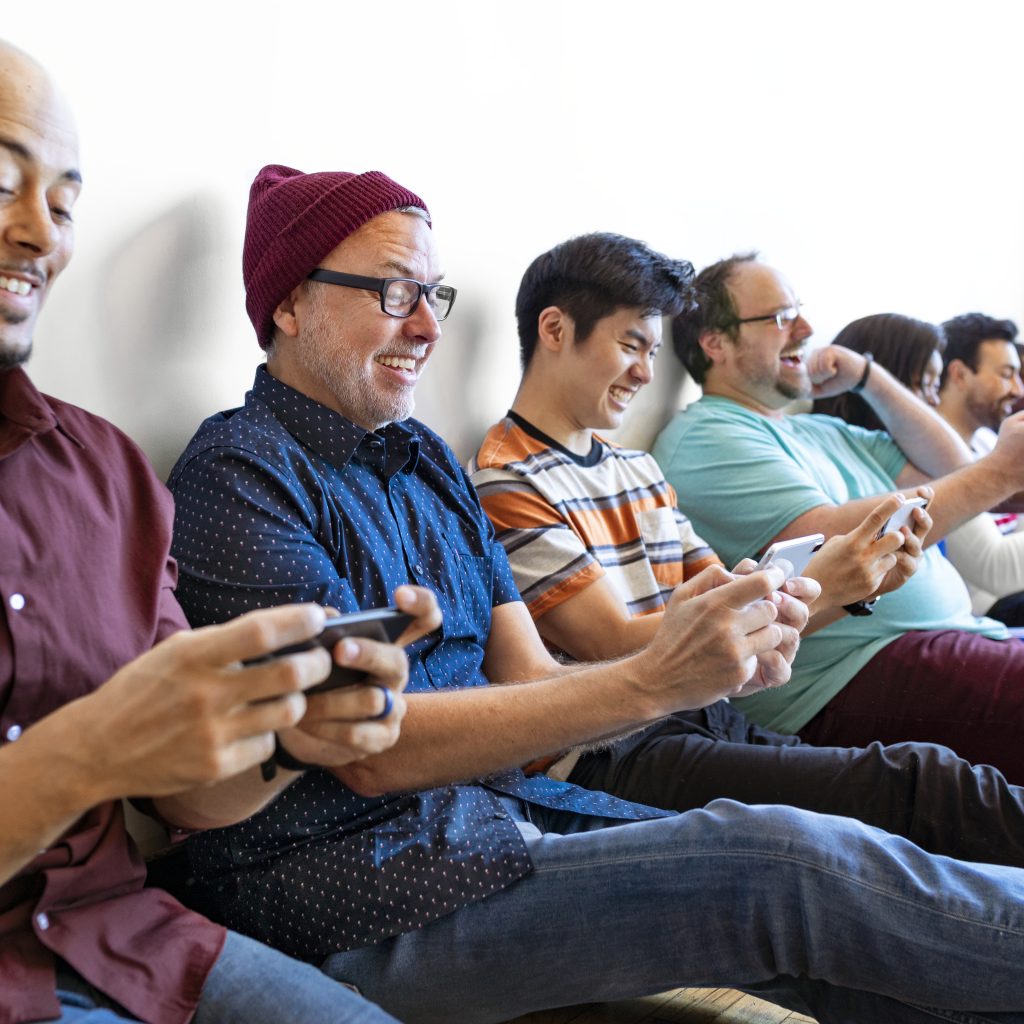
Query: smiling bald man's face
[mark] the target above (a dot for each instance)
(39, 183)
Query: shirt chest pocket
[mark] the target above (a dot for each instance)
(462, 581)
(658, 529)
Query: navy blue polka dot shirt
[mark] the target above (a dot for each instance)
(285, 500)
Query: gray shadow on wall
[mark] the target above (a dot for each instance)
(159, 296)
(175, 345)
(450, 398)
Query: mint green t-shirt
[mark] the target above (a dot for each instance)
(742, 478)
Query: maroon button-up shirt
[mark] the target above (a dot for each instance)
(86, 584)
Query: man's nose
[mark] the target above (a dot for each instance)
(423, 322)
(642, 369)
(31, 226)
(801, 328)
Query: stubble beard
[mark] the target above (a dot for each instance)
(353, 393)
(13, 354)
(765, 380)
(792, 392)
(987, 415)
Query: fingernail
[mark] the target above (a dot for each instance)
(296, 706)
(349, 649)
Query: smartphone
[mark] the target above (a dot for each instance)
(383, 624)
(791, 556)
(902, 516)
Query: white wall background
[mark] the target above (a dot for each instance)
(872, 151)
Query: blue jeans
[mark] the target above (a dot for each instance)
(249, 982)
(820, 913)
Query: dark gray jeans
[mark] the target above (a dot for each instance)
(921, 791)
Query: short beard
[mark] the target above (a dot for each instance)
(10, 358)
(985, 415)
(329, 372)
(792, 393)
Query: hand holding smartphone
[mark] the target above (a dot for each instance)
(383, 624)
(903, 516)
(791, 556)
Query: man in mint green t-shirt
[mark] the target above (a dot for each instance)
(915, 666)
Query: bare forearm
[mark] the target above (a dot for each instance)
(451, 737)
(928, 441)
(599, 638)
(73, 783)
(822, 617)
(959, 496)
(714, 630)
(965, 493)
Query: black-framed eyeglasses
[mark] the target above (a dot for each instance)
(782, 317)
(399, 296)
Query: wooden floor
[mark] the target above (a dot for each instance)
(681, 1006)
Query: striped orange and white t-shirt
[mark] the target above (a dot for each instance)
(567, 520)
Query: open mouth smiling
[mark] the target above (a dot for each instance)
(407, 363)
(15, 285)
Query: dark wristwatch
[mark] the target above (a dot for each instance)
(281, 757)
(861, 607)
(857, 389)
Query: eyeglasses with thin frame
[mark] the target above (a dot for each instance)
(782, 317)
(399, 296)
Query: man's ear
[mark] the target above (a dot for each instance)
(284, 313)
(554, 329)
(712, 344)
(957, 373)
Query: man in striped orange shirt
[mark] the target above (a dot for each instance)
(597, 545)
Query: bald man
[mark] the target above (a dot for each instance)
(87, 717)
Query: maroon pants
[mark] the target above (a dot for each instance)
(958, 689)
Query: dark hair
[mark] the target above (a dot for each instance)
(713, 308)
(901, 344)
(592, 276)
(965, 333)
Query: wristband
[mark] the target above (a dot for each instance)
(859, 386)
(281, 757)
(861, 607)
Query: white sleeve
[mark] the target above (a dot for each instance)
(986, 558)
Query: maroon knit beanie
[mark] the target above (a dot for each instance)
(296, 219)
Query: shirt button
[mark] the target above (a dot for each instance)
(417, 568)
(17, 601)
(43, 922)
(13, 733)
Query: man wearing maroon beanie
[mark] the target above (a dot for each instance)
(437, 877)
